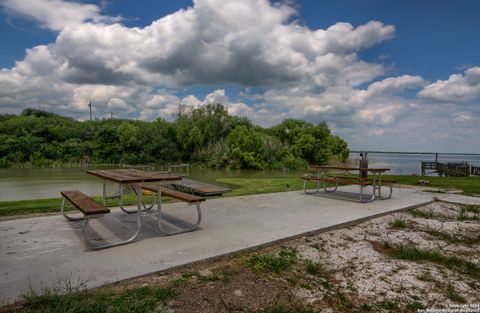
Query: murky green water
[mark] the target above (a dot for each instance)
(19, 183)
(37, 183)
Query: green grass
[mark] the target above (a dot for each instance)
(249, 186)
(266, 263)
(468, 185)
(315, 268)
(465, 213)
(246, 186)
(144, 299)
(475, 209)
(454, 295)
(451, 238)
(421, 213)
(413, 253)
(398, 222)
(37, 206)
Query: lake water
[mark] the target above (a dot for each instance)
(37, 183)
(26, 183)
(408, 164)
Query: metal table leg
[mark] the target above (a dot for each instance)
(123, 242)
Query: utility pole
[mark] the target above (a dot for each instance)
(90, 105)
(111, 115)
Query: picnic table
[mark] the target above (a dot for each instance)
(137, 180)
(343, 175)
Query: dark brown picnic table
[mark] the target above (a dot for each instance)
(132, 178)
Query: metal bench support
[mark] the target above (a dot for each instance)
(87, 218)
(120, 201)
(158, 213)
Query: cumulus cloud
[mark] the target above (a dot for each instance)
(57, 14)
(393, 85)
(250, 43)
(456, 88)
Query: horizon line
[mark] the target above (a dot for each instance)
(405, 152)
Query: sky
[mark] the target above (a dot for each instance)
(385, 75)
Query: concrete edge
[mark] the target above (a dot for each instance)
(450, 202)
(236, 253)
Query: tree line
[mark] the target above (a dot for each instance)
(207, 135)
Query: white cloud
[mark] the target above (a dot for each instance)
(208, 43)
(342, 37)
(458, 87)
(57, 14)
(376, 132)
(393, 85)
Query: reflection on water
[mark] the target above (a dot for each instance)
(21, 183)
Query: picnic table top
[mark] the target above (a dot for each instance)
(131, 176)
(344, 168)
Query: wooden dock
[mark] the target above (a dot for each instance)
(450, 169)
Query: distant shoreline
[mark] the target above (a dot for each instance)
(397, 152)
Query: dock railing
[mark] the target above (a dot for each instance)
(449, 169)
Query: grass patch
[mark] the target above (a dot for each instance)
(38, 206)
(472, 208)
(427, 277)
(454, 295)
(465, 213)
(421, 213)
(145, 299)
(468, 185)
(249, 186)
(458, 239)
(266, 263)
(398, 222)
(413, 253)
(315, 268)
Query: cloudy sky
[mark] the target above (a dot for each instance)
(385, 75)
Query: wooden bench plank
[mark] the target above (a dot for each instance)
(186, 197)
(199, 187)
(87, 205)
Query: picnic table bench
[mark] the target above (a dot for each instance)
(89, 208)
(185, 197)
(198, 187)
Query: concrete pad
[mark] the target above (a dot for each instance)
(42, 251)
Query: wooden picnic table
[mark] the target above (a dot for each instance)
(132, 178)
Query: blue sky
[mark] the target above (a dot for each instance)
(385, 75)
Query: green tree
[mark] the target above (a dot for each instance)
(246, 148)
(290, 129)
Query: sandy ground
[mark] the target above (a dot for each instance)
(346, 270)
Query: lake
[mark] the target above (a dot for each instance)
(28, 183)
(408, 164)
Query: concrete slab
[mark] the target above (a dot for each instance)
(43, 251)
